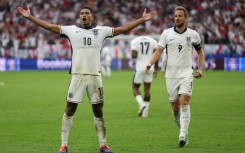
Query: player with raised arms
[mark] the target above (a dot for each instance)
(86, 42)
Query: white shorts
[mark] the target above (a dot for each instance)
(178, 86)
(91, 83)
(140, 76)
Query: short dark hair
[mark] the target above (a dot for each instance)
(89, 8)
(141, 29)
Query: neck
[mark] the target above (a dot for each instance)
(86, 27)
(180, 30)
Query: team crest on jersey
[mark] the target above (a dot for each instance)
(95, 32)
(188, 39)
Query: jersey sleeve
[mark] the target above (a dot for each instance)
(133, 45)
(162, 40)
(64, 30)
(197, 41)
(108, 31)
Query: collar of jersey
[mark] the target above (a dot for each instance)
(179, 32)
(90, 27)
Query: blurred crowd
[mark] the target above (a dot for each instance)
(217, 22)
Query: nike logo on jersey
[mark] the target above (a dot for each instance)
(171, 39)
(78, 31)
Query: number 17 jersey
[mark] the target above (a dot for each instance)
(144, 46)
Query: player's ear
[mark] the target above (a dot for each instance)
(94, 21)
(186, 20)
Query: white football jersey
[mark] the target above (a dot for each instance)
(86, 46)
(144, 46)
(179, 49)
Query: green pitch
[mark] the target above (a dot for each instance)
(32, 104)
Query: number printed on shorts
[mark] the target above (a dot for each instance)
(101, 91)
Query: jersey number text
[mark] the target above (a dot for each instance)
(180, 47)
(144, 47)
(87, 41)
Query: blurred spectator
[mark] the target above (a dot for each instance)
(217, 21)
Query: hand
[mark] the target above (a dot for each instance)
(198, 74)
(26, 13)
(147, 68)
(148, 16)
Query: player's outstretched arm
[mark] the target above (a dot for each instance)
(155, 56)
(27, 14)
(133, 24)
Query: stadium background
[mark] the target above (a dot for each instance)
(32, 102)
(25, 46)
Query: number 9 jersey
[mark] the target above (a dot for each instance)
(179, 49)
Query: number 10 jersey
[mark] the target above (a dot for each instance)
(86, 47)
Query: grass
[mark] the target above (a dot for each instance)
(32, 104)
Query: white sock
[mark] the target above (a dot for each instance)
(176, 116)
(139, 99)
(65, 129)
(185, 117)
(147, 104)
(100, 129)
